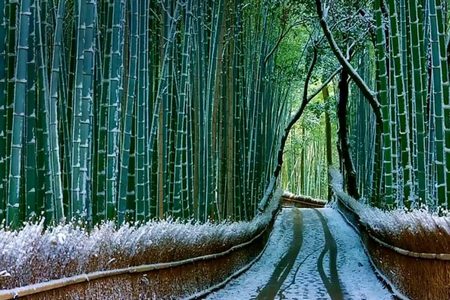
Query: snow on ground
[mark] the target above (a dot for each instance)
(304, 280)
(356, 279)
(248, 285)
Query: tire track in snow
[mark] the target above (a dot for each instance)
(332, 284)
(249, 284)
(287, 262)
(356, 277)
(304, 281)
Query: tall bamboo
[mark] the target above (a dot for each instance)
(14, 182)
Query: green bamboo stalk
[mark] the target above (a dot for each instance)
(442, 16)
(404, 134)
(77, 196)
(200, 79)
(393, 135)
(101, 140)
(45, 201)
(179, 203)
(3, 104)
(64, 111)
(438, 101)
(30, 172)
(140, 154)
(11, 14)
(212, 208)
(150, 78)
(85, 138)
(239, 104)
(190, 130)
(170, 128)
(130, 104)
(231, 132)
(419, 100)
(165, 115)
(13, 210)
(52, 112)
(113, 129)
(155, 59)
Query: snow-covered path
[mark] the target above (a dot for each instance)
(311, 254)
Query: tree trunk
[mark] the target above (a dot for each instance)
(350, 174)
(329, 152)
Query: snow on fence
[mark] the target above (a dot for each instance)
(416, 233)
(410, 250)
(46, 259)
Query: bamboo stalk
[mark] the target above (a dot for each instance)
(14, 182)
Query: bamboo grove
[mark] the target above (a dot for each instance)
(414, 98)
(133, 110)
(403, 160)
(310, 150)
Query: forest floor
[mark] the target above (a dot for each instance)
(311, 254)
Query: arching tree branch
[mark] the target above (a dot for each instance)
(324, 84)
(294, 119)
(305, 101)
(365, 90)
(280, 38)
(297, 115)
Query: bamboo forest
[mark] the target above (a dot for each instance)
(225, 149)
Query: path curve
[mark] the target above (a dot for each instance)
(311, 254)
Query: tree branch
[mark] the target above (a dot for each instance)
(324, 84)
(262, 204)
(297, 115)
(305, 101)
(366, 91)
(280, 38)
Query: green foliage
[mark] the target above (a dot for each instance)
(399, 142)
(140, 109)
(305, 170)
(412, 82)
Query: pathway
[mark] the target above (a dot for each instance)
(311, 254)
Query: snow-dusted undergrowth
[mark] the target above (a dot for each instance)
(416, 230)
(34, 255)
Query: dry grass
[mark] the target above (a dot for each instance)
(417, 231)
(418, 278)
(35, 255)
(173, 283)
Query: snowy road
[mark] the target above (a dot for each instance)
(311, 254)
